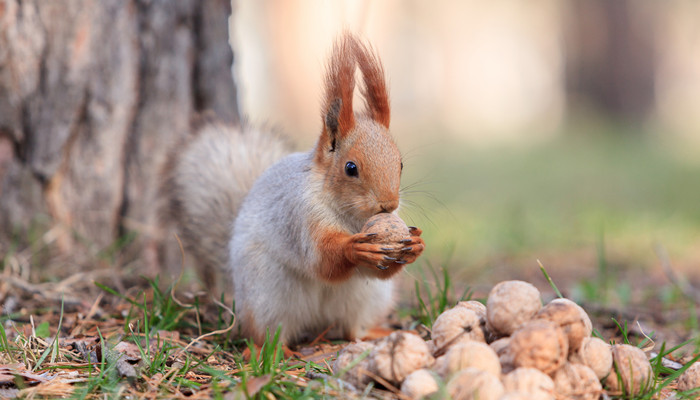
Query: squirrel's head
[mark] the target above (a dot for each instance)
(355, 152)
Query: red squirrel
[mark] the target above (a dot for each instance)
(287, 227)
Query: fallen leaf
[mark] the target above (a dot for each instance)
(9, 371)
(254, 385)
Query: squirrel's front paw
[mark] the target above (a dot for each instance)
(413, 247)
(361, 250)
(385, 256)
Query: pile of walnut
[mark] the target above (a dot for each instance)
(512, 348)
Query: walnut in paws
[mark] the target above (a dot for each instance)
(388, 230)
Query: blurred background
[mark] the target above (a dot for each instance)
(559, 131)
(563, 131)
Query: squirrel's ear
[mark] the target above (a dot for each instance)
(374, 89)
(337, 115)
(331, 121)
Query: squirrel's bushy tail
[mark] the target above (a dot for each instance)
(205, 182)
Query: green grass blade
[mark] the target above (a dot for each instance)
(52, 349)
(114, 292)
(549, 280)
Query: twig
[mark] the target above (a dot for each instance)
(216, 332)
(666, 362)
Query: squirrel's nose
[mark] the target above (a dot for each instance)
(388, 206)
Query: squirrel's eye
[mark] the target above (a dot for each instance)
(351, 169)
(402, 166)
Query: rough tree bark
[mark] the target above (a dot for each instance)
(93, 95)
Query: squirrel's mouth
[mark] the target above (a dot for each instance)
(388, 206)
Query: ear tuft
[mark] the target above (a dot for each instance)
(374, 89)
(340, 85)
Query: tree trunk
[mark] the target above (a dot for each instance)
(610, 57)
(93, 96)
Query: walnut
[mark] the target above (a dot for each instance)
(456, 325)
(577, 382)
(530, 381)
(505, 355)
(357, 374)
(419, 384)
(595, 354)
(632, 372)
(474, 384)
(511, 304)
(516, 396)
(389, 230)
(539, 344)
(468, 354)
(690, 379)
(572, 319)
(480, 310)
(431, 346)
(399, 354)
(475, 306)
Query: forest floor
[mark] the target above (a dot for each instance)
(102, 334)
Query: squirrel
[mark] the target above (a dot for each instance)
(287, 226)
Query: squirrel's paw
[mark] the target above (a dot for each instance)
(413, 247)
(360, 251)
(381, 256)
